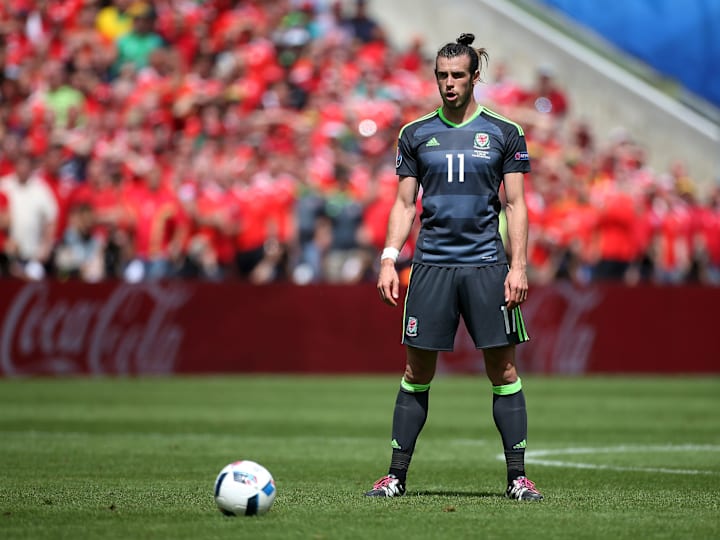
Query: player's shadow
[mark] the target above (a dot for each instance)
(465, 494)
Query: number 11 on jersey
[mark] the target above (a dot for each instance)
(461, 167)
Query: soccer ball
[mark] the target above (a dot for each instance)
(244, 488)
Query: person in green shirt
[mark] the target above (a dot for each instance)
(60, 97)
(136, 46)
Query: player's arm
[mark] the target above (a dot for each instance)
(400, 223)
(516, 285)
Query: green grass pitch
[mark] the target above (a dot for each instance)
(616, 457)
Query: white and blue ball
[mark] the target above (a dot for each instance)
(244, 488)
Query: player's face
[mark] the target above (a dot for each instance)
(455, 81)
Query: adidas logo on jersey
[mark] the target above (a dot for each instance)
(432, 142)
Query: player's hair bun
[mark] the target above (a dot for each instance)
(466, 39)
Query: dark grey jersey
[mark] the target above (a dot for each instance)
(460, 168)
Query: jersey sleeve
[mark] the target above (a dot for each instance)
(405, 159)
(517, 158)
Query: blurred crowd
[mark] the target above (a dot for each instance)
(255, 140)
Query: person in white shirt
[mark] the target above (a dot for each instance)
(33, 217)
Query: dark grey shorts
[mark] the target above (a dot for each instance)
(438, 296)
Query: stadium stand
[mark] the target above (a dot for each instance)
(254, 140)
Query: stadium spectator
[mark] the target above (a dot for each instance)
(136, 46)
(215, 216)
(280, 194)
(159, 228)
(545, 96)
(346, 260)
(33, 219)
(580, 150)
(671, 249)
(260, 241)
(80, 253)
(64, 101)
(85, 45)
(104, 192)
(310, 265)
(55, 169)
(617, 236)
(412, 58)
(707, 240)
(364, 27)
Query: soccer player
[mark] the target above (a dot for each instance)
(459, 154)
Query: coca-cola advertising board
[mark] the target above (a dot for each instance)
(72, 328)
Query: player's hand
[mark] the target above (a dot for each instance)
(388, 284)
(516, 287)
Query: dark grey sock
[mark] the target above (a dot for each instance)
(411, 410)
(510, 417)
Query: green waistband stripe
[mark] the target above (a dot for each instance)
(409, 387)
(508, 389)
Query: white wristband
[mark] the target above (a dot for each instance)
(390, 253)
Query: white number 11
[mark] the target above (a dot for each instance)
(461, 167)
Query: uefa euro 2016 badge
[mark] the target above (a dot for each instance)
(412, 327)
(398, 158)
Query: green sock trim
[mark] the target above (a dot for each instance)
(409, 387)
(508, 389)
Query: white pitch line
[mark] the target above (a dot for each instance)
(534, 457)
(595, 466)
(623, 448)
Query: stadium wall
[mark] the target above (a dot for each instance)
(74, 328)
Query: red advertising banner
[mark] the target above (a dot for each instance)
(62, 328)
(611, 329)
